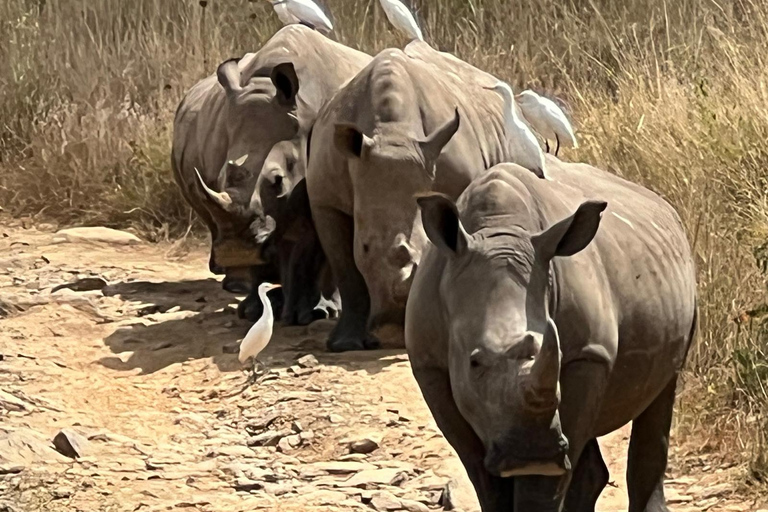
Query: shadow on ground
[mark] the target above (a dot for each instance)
(204, 326)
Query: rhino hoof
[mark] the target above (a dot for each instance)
(353, 343)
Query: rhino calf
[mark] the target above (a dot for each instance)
(542, 318)
(290, 241)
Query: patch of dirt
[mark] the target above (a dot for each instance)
(135, 360)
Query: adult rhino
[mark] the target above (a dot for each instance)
(540, 320)
(227, 124)
(411, 121)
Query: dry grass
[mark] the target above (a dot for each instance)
(669, 94)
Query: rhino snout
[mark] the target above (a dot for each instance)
(508, 460)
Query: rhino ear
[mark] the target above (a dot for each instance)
(286, 83)
(441, 222)
(571, 234)
(228, 74)
(434, 143)
(350, 140)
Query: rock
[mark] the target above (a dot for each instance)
(97, 234)
(85, 284)
(387, 476)
(384, 501)
(233, 451)
(247, 485)
(323, 498)
(26, 447)
(268, 438)
(335, 418)
(413, 506)
(70, 443)
(366, 444)
(11, 403)
(288, 443)
(458, 492)
(342, 467)
(307, 361)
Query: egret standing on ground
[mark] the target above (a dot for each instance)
(303, 11)
(261, 332)
(401, 18)
(547, 119)
(524, 147)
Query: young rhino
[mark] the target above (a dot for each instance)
(536, 324)
(290, 240)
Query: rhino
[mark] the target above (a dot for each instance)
(306, 277)
(411, 121)
(224, 129)
(542, 317)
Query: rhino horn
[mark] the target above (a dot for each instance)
(545, 372)
(220, 198)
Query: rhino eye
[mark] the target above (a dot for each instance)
(474, 359)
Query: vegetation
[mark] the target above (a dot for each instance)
(668, 94)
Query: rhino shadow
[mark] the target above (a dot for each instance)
(159, 297)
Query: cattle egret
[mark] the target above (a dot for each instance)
(547, 119)
(401, 18)
(524, 147)
(303, 11)
(261, 332)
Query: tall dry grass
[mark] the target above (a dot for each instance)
(669, 94)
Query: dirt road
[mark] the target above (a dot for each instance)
(139, 370)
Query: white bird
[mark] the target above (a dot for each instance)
(401, 18)
(303, 11)
(548, 119)
(261, 332)
(523, 145)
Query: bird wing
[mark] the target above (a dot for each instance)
(257, 338)
(307, 10)
(559, 122)
(285, 16)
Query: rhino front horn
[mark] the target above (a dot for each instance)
(545, 373)
(220, 198)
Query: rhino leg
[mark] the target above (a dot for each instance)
(582, 386)
(251, 308)
(495, 494)
(589, 479)
(302, 292)
(648, 447)
(336, 232)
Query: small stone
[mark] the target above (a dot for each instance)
(288, 443)
(335, 418)
(307, 361)
(296, 426)
(85, 284)
(268, 438)
(387, 476)
(70, 443)
(413, 506)
(247, 485)
(365, 444)
(383, 501)
(307, 435)
(12, 403)
(342, 467)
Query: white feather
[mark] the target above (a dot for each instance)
(261, 332)
(401, 18)
(547, 118)
(305, 11)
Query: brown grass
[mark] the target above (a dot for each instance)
(669, 94)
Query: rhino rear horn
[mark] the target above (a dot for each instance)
(228, 74)
(441, 222)
(545, 373)
(286, 83)
(221, 199)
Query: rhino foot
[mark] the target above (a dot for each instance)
(348, 343)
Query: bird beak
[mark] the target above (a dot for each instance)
(275, 286)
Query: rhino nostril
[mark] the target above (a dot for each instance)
(366, 248)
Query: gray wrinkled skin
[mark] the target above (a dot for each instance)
(540, 320)
(245, 109)
(410, 122)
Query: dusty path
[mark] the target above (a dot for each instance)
(139, 368)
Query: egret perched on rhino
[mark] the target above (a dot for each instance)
(250, 105)
(305, 12)
(402, 19)
(548, 119)
(411, 121)
(541, 318)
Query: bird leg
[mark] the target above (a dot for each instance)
(558, 144)
(546, 145)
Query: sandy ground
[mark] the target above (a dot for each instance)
(141, 371)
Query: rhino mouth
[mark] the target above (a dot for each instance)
(536, 468)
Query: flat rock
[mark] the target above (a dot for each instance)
(387, 476)
(98, 234)
(413, 506)
(342, 467)
(383, 501)
(85, 284)
(70, 443)
(26, 447)
(10, 402)
(307, 361)
(268, 438)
